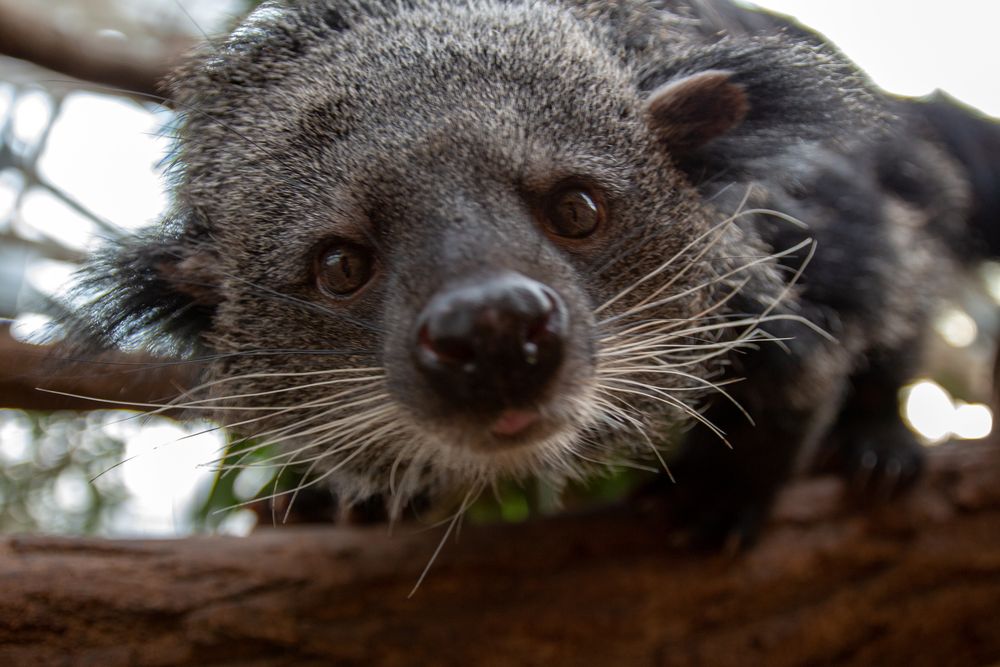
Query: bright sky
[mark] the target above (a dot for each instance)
(103, 151)
(911, 47)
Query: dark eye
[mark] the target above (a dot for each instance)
(574, 213)
(343, 268)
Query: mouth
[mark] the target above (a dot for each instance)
(510, 429)
(513, 423)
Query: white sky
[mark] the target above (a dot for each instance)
(103, 151)
(911, 47)
(122, 142)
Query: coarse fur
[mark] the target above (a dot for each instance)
(762, 278)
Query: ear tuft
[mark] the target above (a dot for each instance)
(689, 112)
(156, 291)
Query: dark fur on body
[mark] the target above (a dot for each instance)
(428, 131)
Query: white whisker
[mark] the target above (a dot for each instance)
(283, 390)
(359, 449)
(693, 290)
(332, 428)
(466, 502)
(718, 229)
(291, 501)
(286, 429)
(658, 394)
(613, 464)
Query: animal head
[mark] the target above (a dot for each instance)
(432, 244)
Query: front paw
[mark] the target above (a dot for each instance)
(881, 461)
(712, 512)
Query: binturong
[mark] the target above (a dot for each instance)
(424, 246)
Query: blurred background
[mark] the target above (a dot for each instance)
(82, 134)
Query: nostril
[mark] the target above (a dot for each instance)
(550, 324)
(445, 350)
(537, 335)
(541, 327)
(495, 341)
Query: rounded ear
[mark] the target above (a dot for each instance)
(688, 112)
(729, 104)
(194, 274)
(157, 290)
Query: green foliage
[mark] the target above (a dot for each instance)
(513, 502)
(242, 477)
(48, 464)
(57, 472)
(246, 476)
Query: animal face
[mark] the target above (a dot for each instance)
(436, 245)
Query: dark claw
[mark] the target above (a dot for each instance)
(707, 513)
(882, 463)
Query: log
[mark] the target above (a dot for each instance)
(916, 582)
(30, 373)
(28, 32)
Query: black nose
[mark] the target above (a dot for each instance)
(492, 342)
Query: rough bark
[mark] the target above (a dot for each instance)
(28, 32)
(916, 583)
(115, 379)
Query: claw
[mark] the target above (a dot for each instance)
(886, 462)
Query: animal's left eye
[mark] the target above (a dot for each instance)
(574, 213)
(343, 268)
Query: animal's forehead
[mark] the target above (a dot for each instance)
(460, 93)
(470, 54)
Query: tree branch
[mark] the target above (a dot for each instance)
(26, 368)
(917, 582)
(27, 33)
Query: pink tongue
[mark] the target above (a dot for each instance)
(512, 422)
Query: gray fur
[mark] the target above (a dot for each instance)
(426, 130)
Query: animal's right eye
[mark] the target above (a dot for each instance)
(343, 268)
(574, 213)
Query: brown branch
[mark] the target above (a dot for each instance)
(916, 583)
(46, 247)
(26, 368)
(27, 33)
